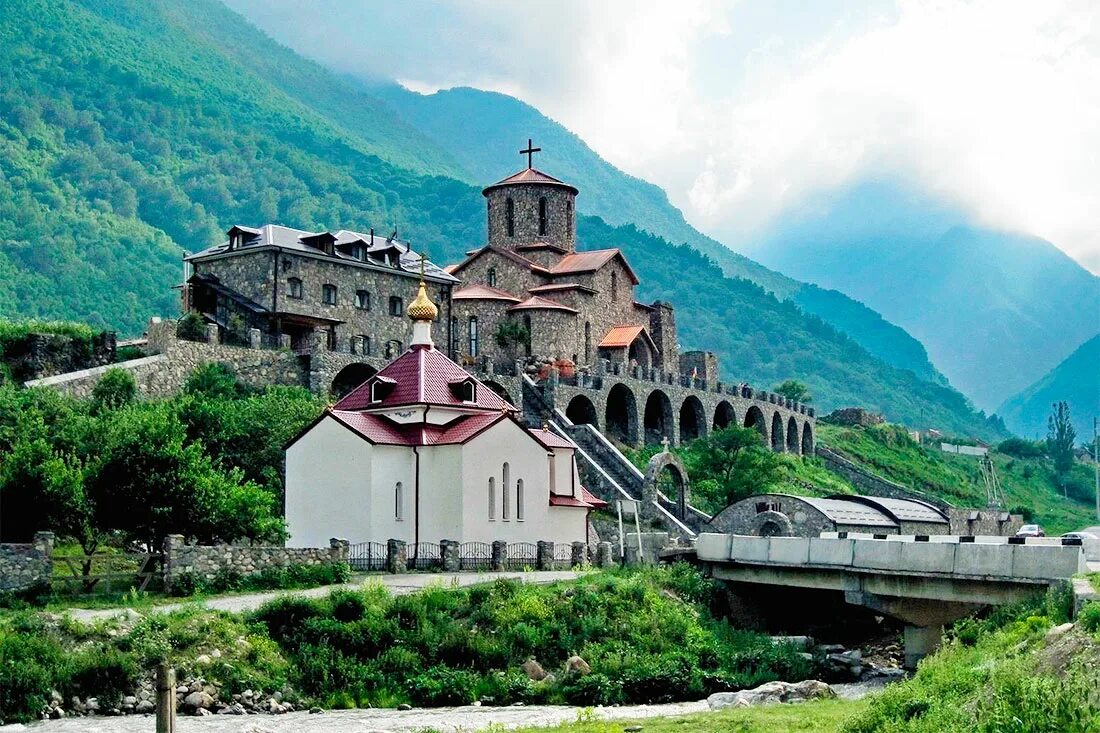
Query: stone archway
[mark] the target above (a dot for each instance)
(351, 377)
(724, 416)
(581, 411)
(693, 419)
(792, 436)
(807, 439)
(777, 433)
(658, 417)
(667, 475)
(621, 415)
(500, 391)
(772, 524)
(754, 418)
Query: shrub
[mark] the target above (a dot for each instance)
(114, 389)
(1089, 618)
(439, 686)
(191, 327)
(103, 672)
(285, 617)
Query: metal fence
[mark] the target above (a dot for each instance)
(367, 556)
(563, 555)
(423, 556)
(475, 556)
(522, 555)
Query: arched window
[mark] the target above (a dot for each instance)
(510, 216)
(454, 337)
(393, 348)
(492, 277)
(328, 294)
(614, 286)
(399, 502)
(506, 487)
(519, 499)
(542, 216)
(527, 326)
(395, 305)
(492, 499)
(587, 342)
(471, 331)
(294, 288)
(568, 217)
(362, 299)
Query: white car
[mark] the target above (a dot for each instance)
(1080, 536)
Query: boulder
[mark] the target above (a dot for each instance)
(1057, 631)
(198, 700)
(577, 665)
(144, 706)
(771, 693)
(533, 670)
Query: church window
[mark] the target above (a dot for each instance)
(614, 286)
(328, 294)
(527, 326)
(396, 306)
(471, 331)
(568, 217)
(492, 277)
(399, 502)
(506, 489)
(362, 299)
(542, 216)
(587, 342)
(519, 499)
(454, 337)
(294, 288)
(510, 216)
(492, 499)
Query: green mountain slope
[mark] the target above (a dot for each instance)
(130, 132)
(1076, 381)
(482, 130)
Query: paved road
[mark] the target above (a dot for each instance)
(396, 584)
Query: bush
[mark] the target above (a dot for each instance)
(114, 389)
(279, 578)
(191, 327)
(1021, 448)
(1089, 618)
(440, 686)
(104, 673)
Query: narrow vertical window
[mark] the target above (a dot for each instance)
(398, 502)
(568, 218)
(505, 508)
(471, 329)
(587, 342)
(492, 499)
(362, 300)
(553, 465)
(519, 499)
(454, 337)
(530, 335)
(614, 286)
(510, 216)
(395, 305)
(492, 277)
(542, 216)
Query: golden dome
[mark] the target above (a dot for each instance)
(422, 308)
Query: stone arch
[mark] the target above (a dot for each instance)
(792, 436)
(500, 391)
(621, 415)
(777, 432)
(693, 419)
(724, 416)
(581, 411)
(754, 418)
(807, 439)
(351, 377)
(772, 524)
(658, 417)
(667, 475)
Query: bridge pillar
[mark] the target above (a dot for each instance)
(920, 641)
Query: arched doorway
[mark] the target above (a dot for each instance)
(639, 353)
(621, 415)
(777, 433)
(500, 391)
(754, 418)
(807, 440)
(658, 417)
(792, 436)
(693, 419)
(581, 411)
(666, 475)
(724, 416)
(351, 377)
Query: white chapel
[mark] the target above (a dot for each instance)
(423, 452)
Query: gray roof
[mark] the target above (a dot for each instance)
(903, 510)
(287, 238)
(843, 511)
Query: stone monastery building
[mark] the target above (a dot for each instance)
(422, 452)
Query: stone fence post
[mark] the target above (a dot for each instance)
(254, 338)
(499, 557)
(579, 554)
(396, 556)
(448, 553)
(212, 333)
(544, 557)
(338, 548)
(172, 545)
(632, 556)
(603, 555)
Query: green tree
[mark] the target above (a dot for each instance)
(215, 380)
(736, 462)
(794, 390)
(511, 336)
(114, 389)
(1061, 437)
(191, 327)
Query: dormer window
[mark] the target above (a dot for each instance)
(464, 390)
(492, 277)
(294, 288)
(359, 252)
(542, 216)
(236, 240)
(380, 388)
(328, 294)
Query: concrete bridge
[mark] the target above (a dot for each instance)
(924, 582)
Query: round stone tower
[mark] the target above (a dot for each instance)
(532, 209)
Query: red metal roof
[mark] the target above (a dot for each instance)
(592, 499)
(586, 500)
(559, 287)
(483, 292)
(550, 439)
(379, 430)
(505, 253)
(621, 336)
(422, 376)
(590, 261)
(537, 302)
(529, 176)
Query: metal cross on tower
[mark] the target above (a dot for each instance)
(529, 152)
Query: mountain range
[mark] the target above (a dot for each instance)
(1076, 381)
(132, 130)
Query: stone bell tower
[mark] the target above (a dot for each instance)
(531, 210)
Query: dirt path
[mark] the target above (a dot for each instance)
(397, 584)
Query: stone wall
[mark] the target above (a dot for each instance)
(561, 215)
(24, 566)
(43, 355)
(205, 561)
(870, 484)
(985, 522)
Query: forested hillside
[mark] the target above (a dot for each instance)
(132, 130)
(1075, 381)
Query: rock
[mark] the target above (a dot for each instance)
(216, 653)
(203, 659)
(830, 648)
(182, 690)
(202, 711)
(55, 697)
(57, 713)
(533, 670)
(315, 711)
(404, 706)
(129, 700)
(195, 686)
(801, 643)
(476, 703)
(772, 693)
(198, 699)
(144, 706)
(576, 665)
(1057, 631)
(91, 704)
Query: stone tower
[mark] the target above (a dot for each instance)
(531, 210)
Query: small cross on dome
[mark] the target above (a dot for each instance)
(529, 152)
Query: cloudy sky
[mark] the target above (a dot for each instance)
(741, 110)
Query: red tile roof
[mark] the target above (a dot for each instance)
(421, 376)
(590, 261)
(529, 176)
(621, 336)
(505, 253)
(381, 431)
(483, 292)
(586, 500)
(550, 439)
(537, 302)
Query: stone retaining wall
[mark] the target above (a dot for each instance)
(27, 565)
(205, 561)
(872, 485)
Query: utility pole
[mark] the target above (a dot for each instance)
(1096, 462)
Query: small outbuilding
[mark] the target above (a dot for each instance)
(785, 515)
